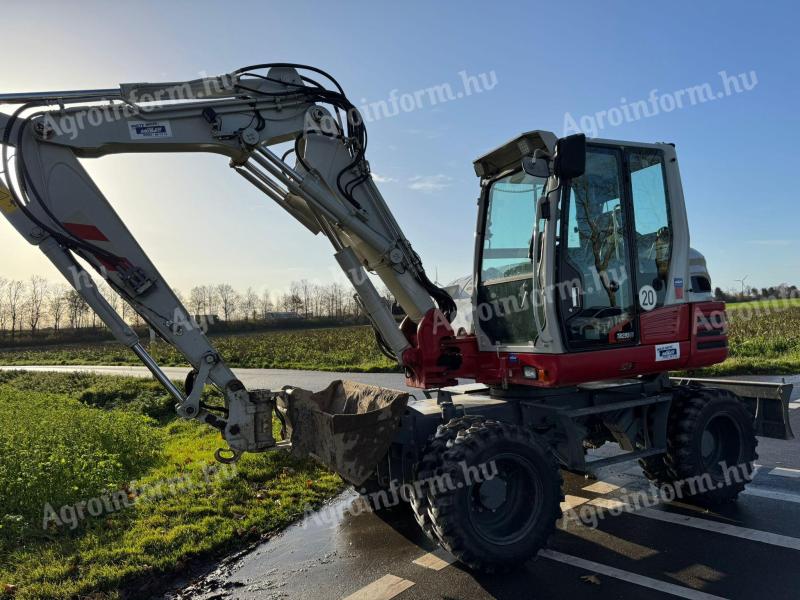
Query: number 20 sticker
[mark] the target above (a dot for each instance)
(647, 297)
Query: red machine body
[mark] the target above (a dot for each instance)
(673, 338)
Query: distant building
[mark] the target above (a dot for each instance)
(282, 316)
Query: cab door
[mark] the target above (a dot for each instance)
(505, 273)
(594, 255)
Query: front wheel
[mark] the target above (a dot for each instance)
(494, 497)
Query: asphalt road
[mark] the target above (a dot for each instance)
(746, 550)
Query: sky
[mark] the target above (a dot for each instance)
(549, 66)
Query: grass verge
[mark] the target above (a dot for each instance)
(177, 509)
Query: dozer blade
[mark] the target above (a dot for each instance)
(348, 427)
(769, 402)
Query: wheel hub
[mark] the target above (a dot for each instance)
(493, 493)
(504, 508)
(720, 442)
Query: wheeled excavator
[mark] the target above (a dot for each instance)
(586, 294)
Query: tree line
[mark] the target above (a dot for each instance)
(36, 304)
(749, 294)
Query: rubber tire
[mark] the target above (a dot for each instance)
(437, 445)
(655, 467)
(448, 508)
(683, 459)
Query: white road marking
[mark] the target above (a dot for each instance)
(385, 588)
(601, 487)
(794, 405)
(571, 502)
(607, 503)
(648, 582)
(753, 490)
(431, 561)
(618, 545)
(744, 533)
(783, 472)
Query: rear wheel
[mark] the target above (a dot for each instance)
(495, 496)
(711, 447)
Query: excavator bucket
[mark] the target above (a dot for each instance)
(347, 427)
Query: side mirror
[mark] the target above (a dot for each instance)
(536, 165)
(570, 158)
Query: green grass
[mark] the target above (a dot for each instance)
(764, 340)
(56, 449)
(331, 349)
(776, 304)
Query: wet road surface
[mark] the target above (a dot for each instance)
(746, 550)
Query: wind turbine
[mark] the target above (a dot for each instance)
(742, 280)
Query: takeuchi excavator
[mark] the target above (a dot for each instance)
(585, 295)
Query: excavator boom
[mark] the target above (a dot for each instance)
(51, 201)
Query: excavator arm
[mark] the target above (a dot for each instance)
(52, 202)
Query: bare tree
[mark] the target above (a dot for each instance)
(14, 297)
(197, 300)
(318, 300)
(303, 290)
(228, 298)
(76, 309)
(294, 300)
(110, 295)
(3, 304)
(56, 305)
(265, 303)
(37, 291)
(249, 303)
(337, 296)
(212, 299)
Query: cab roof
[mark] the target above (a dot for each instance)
(510, 154)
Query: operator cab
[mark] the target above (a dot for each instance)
(583, 252)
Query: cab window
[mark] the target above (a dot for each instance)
(652, 220)
(509, 226)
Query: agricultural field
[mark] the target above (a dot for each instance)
(776, 304)
(330, 349)
(103, 491)
(764, 337)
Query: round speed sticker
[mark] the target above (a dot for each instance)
(647, 297)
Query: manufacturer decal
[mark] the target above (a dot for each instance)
(668, 352)
(148, 130)
(678, 283)
(648, 297)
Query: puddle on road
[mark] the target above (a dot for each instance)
(317, 551)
